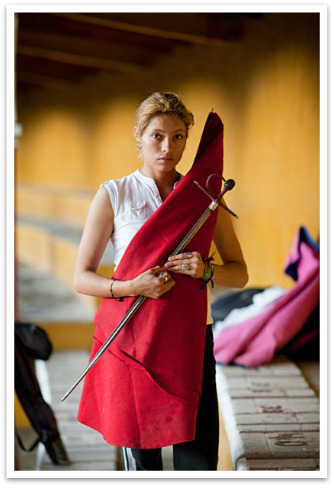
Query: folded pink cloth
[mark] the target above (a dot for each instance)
(255, 341)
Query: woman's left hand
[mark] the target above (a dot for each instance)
(187, 263)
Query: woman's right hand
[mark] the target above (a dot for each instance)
(153, 283)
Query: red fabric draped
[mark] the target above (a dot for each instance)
(144, 391)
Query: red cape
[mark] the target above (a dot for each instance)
(144, 390)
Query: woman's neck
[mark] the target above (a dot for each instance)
(165, 181)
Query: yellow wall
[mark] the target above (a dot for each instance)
(266, 90)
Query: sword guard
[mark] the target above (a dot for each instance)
(228, 185)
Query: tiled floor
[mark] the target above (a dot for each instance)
(86, 448)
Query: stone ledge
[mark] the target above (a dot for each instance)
(51, 247)
(271, 416)
(278, 464)
(53, 202)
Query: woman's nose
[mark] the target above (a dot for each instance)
(166, 145)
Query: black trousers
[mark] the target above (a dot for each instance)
(201, 453)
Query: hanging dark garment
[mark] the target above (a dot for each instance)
(32, 342)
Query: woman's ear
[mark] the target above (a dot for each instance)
(136, 133)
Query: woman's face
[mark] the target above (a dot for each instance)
(163, 142)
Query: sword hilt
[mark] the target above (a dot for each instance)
(228, 185)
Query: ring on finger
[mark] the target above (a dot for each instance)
(185, 266)
(165, 278)
(189, 254)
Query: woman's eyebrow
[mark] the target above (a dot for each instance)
(161, 130)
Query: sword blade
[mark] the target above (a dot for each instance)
(133, 309)
(141, 299)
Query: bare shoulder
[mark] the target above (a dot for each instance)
(100, 214)
(102, 195)
(101, 201)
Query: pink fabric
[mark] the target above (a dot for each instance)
(255, 341)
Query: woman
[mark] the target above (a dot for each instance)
(119, 210)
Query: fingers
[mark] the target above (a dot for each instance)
(161, 273)
(187, 255)
(187, 263)
(156, 282)
(164, 277)
(158, 270)
(165, 283)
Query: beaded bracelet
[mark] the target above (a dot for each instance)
(208, 273)
(119, 299)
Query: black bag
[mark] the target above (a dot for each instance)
(31, 342)
(34, 340)
(234, 300)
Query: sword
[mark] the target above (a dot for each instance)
(215, 202)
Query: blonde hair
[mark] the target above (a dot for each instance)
(160, 103)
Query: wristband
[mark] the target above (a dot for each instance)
(119, 299)
(208, 273)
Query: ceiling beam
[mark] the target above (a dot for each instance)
(56, 50)
(38, 80)
(90, 46)
(199, 37)
(78, 25)
(80, 60)
(50, 68)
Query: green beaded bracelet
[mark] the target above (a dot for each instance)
(206, 274)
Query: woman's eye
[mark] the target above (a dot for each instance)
(178, 136)
(156, 136)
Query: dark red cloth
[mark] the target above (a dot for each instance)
(144, 391)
